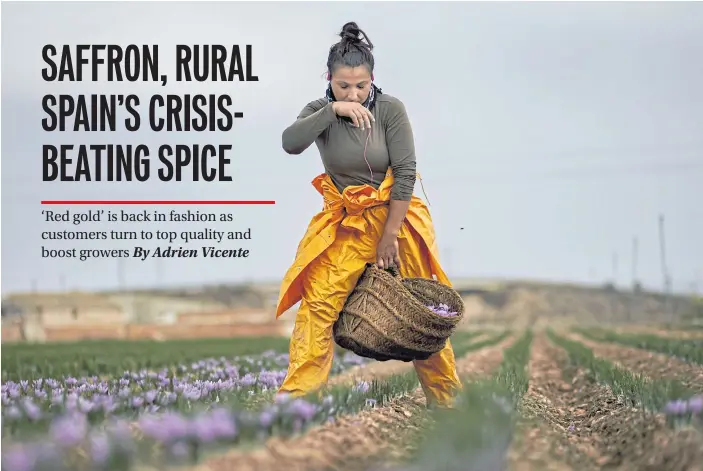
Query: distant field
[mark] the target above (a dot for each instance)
(85, 358)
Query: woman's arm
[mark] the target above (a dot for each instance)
(387, 252)
(396, 216)
(401, 148)
(312, 121)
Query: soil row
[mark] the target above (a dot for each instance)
(357, 441)
(661, 332)
(578, 424)
(651, 364)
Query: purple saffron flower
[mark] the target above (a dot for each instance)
(137, 402)
(202, 429)
(85, 406)
(442, 310)
(180, 450)
(362, 387)
(99, 449)
(266, 418)
(153, 428)
(168, 398)
(71, 401)
(282, 398)
(192, 394)
(12, 412)
(222, 423)
(248, 380)
(56, 397)
(695, 404)
(69, 430)
(676, 407)
(109, 405)
(167, 427)
(150, 396)
(32, 410)
(19, 458)
(120, 435)
(270, 379)
(303, 409)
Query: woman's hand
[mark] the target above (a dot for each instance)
(356, 111)
(387, 252)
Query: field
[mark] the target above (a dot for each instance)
(538, 395)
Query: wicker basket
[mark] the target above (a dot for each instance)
(386, 317)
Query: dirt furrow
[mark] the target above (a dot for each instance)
(577, 424)
(661, 332)
(651, 364)
(357, 441)
(541, 441)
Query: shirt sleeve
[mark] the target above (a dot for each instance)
(311, 122)
(401, 148)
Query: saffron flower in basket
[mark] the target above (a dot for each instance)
(442, 310)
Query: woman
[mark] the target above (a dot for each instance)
(369, 215)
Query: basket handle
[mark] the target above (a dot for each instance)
(393, 270)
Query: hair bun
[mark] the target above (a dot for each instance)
(350, 51)
(350, 32)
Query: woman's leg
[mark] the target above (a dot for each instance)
(437, 374)
(326, 286)
(438, 377)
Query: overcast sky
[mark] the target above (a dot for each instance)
(551, 133)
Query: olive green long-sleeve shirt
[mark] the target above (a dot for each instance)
(341, 145)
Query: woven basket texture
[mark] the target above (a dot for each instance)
(386, 317)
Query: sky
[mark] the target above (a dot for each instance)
(548, 135)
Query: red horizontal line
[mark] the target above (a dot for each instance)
(170, 202)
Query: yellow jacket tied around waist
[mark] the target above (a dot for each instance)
(331, 257)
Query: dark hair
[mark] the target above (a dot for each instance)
(350, 51)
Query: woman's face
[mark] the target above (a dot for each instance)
(351, 83)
